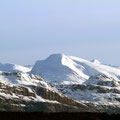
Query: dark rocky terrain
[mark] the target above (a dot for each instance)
(57, 116)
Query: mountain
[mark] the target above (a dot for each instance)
(89, 82)
(25, 92)
(13, 68)
(35, 96)
(96, 61)
(60, 83)
(64, 69)
(59, 68)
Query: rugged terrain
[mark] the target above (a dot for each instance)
(60, 84)
(32, 93)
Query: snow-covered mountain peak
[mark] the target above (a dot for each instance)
(55, 59)
(8, 67)
(96, 61)
(58, 59)
(58, 67)
(68, 69)
(55, 56)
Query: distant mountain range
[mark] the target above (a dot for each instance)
(60, 84)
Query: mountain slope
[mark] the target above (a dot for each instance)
(22, 91)
(34, 94)
(13, 68)
(60, 84)
(82, 80)
(64, 69)
(58, 69)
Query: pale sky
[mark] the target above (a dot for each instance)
(31, 30)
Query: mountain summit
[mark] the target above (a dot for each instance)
(13, 68)
(96, 61)
(65, 69)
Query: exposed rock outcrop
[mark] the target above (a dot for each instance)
(35, 98)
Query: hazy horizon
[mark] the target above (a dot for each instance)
(32, 30)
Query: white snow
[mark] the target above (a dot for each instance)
(26, 98)
(8, 96)
(59, 69)
(23, 79)
(96, 61)
(62, 69)
(13, 68)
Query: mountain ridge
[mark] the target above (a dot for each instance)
(83, 69)
(63, 83)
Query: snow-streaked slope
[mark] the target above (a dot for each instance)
(22, 83)
(32, 92)
(59, 68)
(82, 80)
(96, 61)
(17, 78)
(98, 89)
(13, 75)
(13, 68)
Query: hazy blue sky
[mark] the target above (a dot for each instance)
(33, 29)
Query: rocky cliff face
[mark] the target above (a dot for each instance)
(99, 91)
(43, 98)
(35, 98)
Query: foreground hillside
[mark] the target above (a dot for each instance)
(23, 92)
